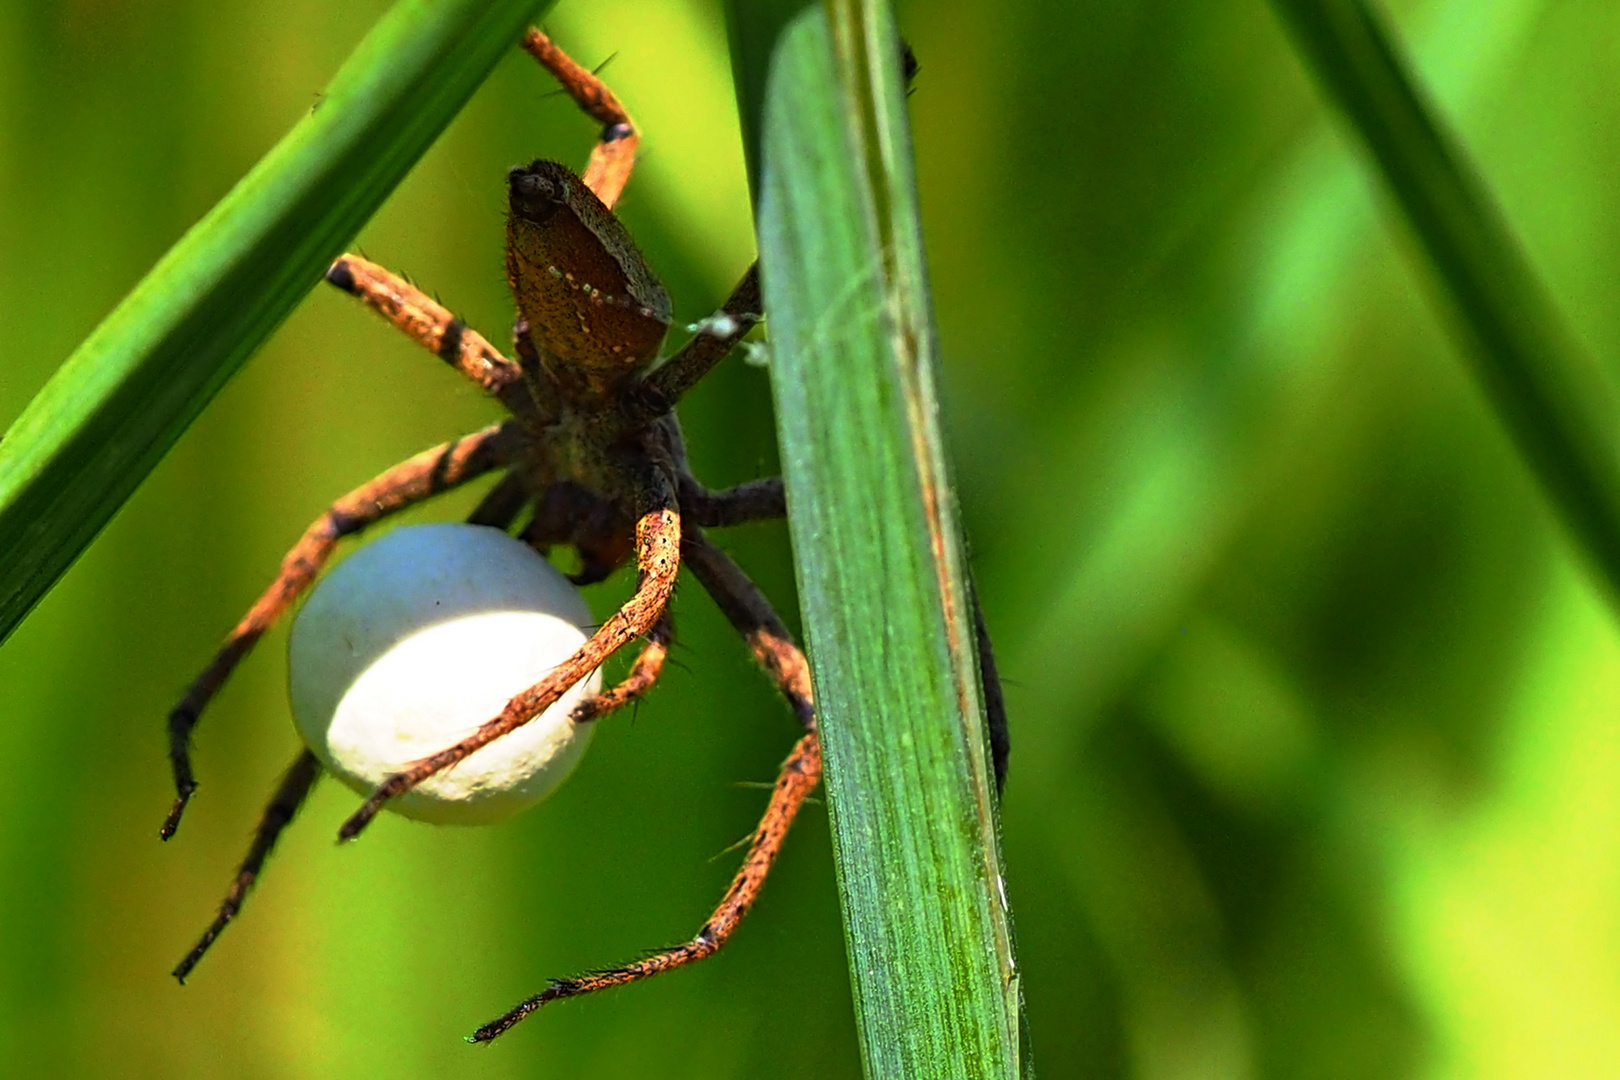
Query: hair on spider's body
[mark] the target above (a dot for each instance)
(592, 458)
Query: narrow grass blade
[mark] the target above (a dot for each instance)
(882, 580)
(1561, 410)
(125, 395)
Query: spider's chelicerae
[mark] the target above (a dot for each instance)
(593, 458)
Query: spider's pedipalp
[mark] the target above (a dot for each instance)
(658, 550)
(421, 477)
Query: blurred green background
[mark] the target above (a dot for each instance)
(1316, 757)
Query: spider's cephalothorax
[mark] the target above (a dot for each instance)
(580, 283)
(592, 459)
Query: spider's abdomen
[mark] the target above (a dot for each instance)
(594, 308)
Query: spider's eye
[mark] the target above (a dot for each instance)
(535, 194)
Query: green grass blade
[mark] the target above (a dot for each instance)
(1557, 404)
(881, 575)
(121, 400)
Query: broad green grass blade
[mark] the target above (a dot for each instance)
(882, 580)
(1558, 405)
(108, 415)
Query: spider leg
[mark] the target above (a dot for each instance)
(995, 707)
(658, 553)
(431, 324)
(283, 807)
(501, 506)
(753, 617)
(643, 673)
(425, 475)
(656, 394)
(763, 500)
(800, 774)
(615, 152)
(757, 500)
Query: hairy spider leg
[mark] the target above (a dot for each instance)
(764, 500)
(748, 610)
(717, 335)
(441, 332)
(283, 807)
(799, 776)
(658, 556)
(614, 155)
(433, 326)
(499, 509)
(756, 500)
(418, 478)
(649, 664)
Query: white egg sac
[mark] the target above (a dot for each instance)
(416, 639)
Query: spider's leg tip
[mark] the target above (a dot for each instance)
(502, 1024)
(171, 824)
(356, 824)
(340, 275)
(489, 1032)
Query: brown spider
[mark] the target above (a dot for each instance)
(594, 452)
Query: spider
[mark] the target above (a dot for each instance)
(593, 452)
